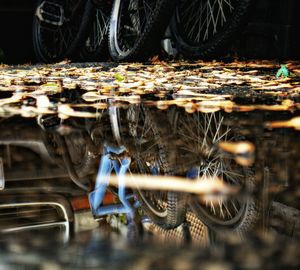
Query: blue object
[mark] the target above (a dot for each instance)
(193, 173)
(107, 165)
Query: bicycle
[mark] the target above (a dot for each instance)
(199, 28)
(166, 209)
(153, 155)
(124, 152)
(136, 27)
(204, 28)
(199, 156)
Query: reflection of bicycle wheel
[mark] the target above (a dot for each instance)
(202, 28)
(199, 156)
(136, 27)
(59, 28)
(95, 46)
(151, 156)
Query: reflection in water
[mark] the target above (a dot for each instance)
(56, 171)
(199, 155)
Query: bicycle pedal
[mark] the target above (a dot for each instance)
(51, 13)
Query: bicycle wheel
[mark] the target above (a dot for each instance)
(60, 28)
(95, 47)
(151, 156)
(199, 156)
(137, 26)
(202, 28)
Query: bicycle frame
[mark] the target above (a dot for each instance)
(107, 164)
(114, 158)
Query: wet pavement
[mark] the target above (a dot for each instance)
(155, 166)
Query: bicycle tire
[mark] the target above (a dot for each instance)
(148, 34)
(166, 209)
(56, 40)
(216, 37)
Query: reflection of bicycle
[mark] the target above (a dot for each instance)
(78, 151)
(166, 209)
(152, 155)
(142, 143)
(132, 141)
(113, 158)
(199, 156)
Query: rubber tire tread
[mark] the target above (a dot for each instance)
(254, 208)
(247, 223)
(176, 201)
(149, 40)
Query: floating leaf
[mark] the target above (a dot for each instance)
(293, 123)
(119, 77)
(282, 72)
(189, 85)
(65, 111)
(203, 185)
(50, 88)
(243, 152)
(43, 102)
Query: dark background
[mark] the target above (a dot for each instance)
(272, 31)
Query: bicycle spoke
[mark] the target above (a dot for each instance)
(148, 9)
(202, 19)
(99, 30)
(200, 135)
(234, 206)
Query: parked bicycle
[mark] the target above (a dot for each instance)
(199, 28)
(203, 28)
(122, 141)
(137, 26)
(80, 29)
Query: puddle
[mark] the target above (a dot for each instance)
(178, 178)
